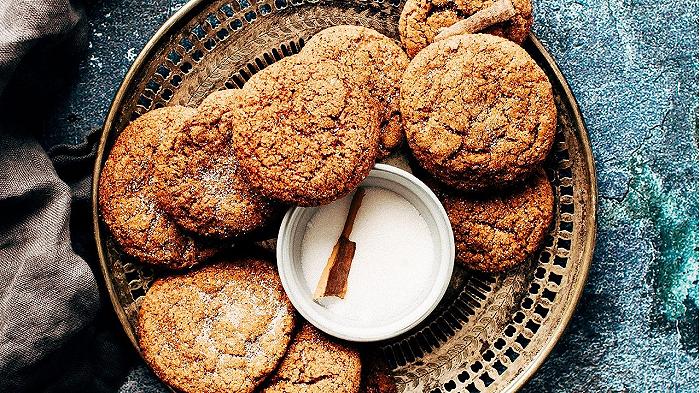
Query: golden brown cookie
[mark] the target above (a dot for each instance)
(479, 112)
(127, 194)
(421, 20)
(376, 62)
(221, 328)
(305, 134)
(316, 364)
(198, 180)
(495, 232)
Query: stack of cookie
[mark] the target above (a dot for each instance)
(229, 327)
(180, 182)
(478, 115)
(480, 118)
(310, 127)
(304, 131)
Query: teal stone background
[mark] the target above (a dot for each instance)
(633, 66)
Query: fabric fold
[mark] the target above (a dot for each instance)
(55, 335)
(47, 292)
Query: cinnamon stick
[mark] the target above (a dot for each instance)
(334, 279)
(500, 11)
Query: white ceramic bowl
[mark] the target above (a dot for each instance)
(289, 254)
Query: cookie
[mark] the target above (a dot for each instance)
(127, 194)
(376, 62)
(221, 328)
(305, 134)
(198, 180)
(479, 112)
(495, 232)
(375, 375)
(421, 20)
(316, 364)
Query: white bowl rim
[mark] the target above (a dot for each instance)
(335, 327)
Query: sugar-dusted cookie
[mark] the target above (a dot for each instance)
(221, 328)
(479, 112)
(198, 180)
(127, 194)
(315, 363)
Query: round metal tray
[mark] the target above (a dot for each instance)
(490, 332)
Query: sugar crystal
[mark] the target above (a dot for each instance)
(394, 264)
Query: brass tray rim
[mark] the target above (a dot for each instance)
(589, 242)
(592, 219)
(99, 158)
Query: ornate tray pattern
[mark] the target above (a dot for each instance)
(490, 332)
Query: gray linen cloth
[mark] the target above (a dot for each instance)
(54, 334)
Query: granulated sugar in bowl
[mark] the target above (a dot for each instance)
(392, 268)
(404, 254)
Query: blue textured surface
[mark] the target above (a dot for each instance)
(633, 67)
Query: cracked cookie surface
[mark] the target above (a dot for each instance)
(127, 194)
(305, 134)
(421, 20)
(315, 364)
(198, 179)
(375, 62)
(496, 232)
(479, 112)
(222, 328)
